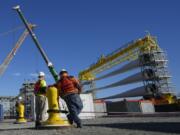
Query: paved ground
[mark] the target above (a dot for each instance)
(103, 126)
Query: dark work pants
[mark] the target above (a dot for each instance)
(75, 106)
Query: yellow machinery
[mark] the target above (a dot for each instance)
(166, 98)
(128, 52)
(54, 119)
(20, 110)
(131, 51)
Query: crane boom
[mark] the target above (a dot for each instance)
(128, 52)
(34, 38)
(11, 55)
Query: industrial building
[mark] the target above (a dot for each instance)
(7, 102)
(26, 92)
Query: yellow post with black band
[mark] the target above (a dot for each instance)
(54, 119)
(21, 110)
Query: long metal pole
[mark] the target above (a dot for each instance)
(34, 38)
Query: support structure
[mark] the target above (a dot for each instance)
(144, 54)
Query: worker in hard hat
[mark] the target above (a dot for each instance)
(40, 98)
(69, 90)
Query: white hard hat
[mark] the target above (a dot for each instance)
(19, 98)
(41, 74)
(63, 70)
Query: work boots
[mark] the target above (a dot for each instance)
(79, 125)
(37, 124)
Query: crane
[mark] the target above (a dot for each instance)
(34, 38)
(129, 51)
(11, 55)
(142, 53)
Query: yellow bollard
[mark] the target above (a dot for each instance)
(20, 110)
(54, 119)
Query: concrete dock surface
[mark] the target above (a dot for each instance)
(102, 126)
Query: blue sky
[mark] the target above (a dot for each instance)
(74, 33)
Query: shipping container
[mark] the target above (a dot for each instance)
(167, 108)
(147, 106)
(142, 106)
(100, 108)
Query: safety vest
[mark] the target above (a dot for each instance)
(67, 86)
(40, 87)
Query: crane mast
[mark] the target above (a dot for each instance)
(34, 38)
(11, 55)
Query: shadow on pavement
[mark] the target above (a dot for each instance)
(7, 121)
(166, 127)
(10, 129)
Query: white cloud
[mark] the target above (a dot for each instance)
(33, 74)
(36, 75)
(16, 74)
